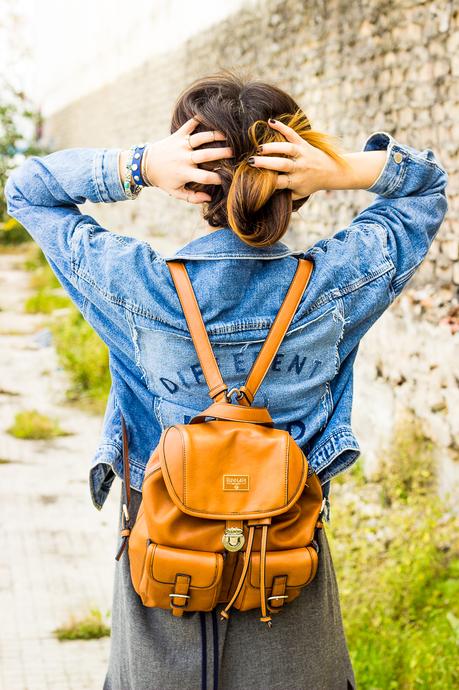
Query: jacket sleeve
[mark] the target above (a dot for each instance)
(409, 207)
(93, 265)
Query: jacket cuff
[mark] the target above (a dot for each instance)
(106, 175)
(392, 172)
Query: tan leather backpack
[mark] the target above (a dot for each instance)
(229, 504)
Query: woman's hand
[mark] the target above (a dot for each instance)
(170, 162)
(307, 168)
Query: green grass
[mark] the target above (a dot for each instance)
(45, 302)
(43, 278)
(33, 258)
(85, 357)
(81, 352)
(396, 553)
(49, 294)
(12, 233)
(91, 627)
(13, 249)
(32, 425)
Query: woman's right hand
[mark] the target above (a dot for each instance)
(307, 169)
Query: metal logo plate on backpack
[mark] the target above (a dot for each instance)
(235, 482)
(233, 538)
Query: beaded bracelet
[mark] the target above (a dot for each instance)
(136, 166)
(136, 174)
(132, 190)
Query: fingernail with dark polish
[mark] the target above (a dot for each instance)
(260, 149)
(251, 160)
(271, 121)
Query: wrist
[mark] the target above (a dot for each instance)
(147, 169)
(122, 160)
(363, 167)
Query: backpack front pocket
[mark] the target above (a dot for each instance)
(287, 572)
(181, 579)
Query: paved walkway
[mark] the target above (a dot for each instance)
(56, 550)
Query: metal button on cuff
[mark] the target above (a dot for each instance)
(398, 157)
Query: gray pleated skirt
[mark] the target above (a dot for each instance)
(304, 650)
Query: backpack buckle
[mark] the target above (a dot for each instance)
(229, 393)
(239, 393)
(233, 538)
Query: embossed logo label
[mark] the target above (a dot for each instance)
(235, 482)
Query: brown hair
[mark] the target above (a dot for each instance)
(247, 200)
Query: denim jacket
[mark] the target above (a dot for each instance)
(123, 288)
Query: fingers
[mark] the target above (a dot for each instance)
(188, 126)
(212, 154)
(283, 182)
(287, 131)
(204, 137)
(203, 176)
(286, 147)
(191, 197)
(200, 137)
(273, 163)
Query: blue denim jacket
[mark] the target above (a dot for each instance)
(123, 288)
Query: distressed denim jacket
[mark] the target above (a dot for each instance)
(124, 289)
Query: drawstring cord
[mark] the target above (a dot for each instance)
(224, 612)
(265, 618)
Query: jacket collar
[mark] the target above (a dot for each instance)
(223, 243)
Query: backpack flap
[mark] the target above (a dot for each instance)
(231, 470)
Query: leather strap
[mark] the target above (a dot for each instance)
(126, 482)
(126, 455)
(256, 415)
(197, 329)
(181, 589)
(277, 331)
(278, 596)
(212, 374)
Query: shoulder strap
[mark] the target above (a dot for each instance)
(278, 330)
(187, 297)
(212, 374)
(126, 489)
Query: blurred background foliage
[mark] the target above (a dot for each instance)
(396, 554)
(17, 116)
(80, 350)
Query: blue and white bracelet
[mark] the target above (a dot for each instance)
(135, 178)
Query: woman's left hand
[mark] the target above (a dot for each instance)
(171, 163)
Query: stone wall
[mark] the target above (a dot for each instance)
(355, 67)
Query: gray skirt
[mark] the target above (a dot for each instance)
(305, 649)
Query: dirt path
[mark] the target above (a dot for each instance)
(56, 550)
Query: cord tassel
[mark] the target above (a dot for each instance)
(265, 618)
(125, 532)
(224, 612)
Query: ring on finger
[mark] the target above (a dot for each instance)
(188, 140)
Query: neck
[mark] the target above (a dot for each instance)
(209, 228)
